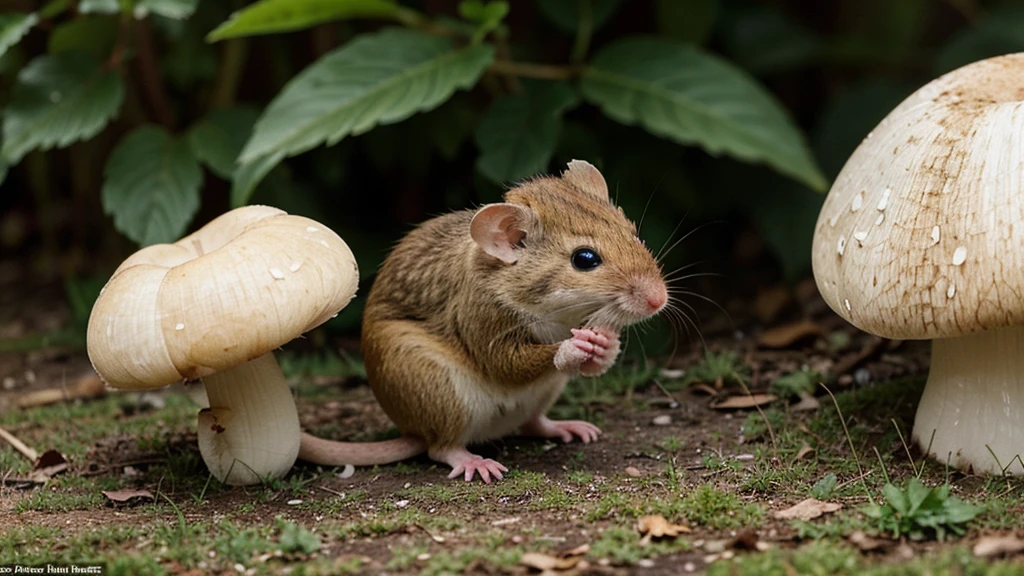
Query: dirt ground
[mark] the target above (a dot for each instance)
(670, 448)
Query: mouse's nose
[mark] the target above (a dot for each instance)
(655, 294)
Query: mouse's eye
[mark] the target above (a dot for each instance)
(585, 259)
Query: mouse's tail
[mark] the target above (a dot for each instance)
(334, 453)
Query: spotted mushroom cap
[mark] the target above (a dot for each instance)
(241, 286)
(922, 234)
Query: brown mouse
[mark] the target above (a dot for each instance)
(478, 319)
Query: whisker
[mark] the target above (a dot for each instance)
(657, 258)
(685, 236)
(640, 225)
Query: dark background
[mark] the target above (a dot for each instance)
(837, 66)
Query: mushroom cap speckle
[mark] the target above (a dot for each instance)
(243, 285)
(922, 233)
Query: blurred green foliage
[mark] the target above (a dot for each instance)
(129, 122)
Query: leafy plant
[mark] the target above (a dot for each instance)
(920, 512)
(797, 383)
(103, 57)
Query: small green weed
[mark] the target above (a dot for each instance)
(921, 512)
(823, 489)
(725, 365)
(296, 539)
(797, 383)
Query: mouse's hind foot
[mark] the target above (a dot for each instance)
(465, 463)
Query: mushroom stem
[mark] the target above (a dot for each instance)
(973, 402)
(251, 431)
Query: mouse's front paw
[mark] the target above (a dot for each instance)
(578, 350)
(604, 354)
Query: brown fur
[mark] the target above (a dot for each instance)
(441, 304)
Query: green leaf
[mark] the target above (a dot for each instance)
(151, 186)
(565, 14)
(13, 27)
(518, 133)
(487, 16)
(379, 78)
(58, 100)
(93, 34)
(917, 495)
(248, 176)
(218, 138)
(895, 497)
(274, 16)
(99, 7)
(680, 92)
(173, 9)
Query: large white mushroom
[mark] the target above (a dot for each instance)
(213, 306)
(922, 237)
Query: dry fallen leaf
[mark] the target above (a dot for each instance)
(656, 526)
(804, 451)
(747, 401)
(126, 495)
(88, 386)
(807, 509)
(788, 334)
(1004, 545)
(564, 563)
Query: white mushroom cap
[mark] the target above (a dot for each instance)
(922, 237)
(922, 233)
(243, 285)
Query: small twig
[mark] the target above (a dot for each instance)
(529, 70)
(665, 391)
(149, 75)
(768, 425)
(19, 445)
(335, 492)
(852, 480)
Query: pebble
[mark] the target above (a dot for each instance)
(862, 376)
(645, 563)
(295, 502)
(633, 471)
(663, 420)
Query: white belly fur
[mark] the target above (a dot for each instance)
(493, 413)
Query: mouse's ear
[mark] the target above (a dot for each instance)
(498, 230)
(583, 176)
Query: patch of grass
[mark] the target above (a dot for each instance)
(920, 512)
(795, 384)
(456, 561)
(404, 557)
(311, 365)
(831, 559)
(671, 444)
(621, 545)
(709, 506)
(294, 539)
(725, 365)
(580, 477)
(817, 558)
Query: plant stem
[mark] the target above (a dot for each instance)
(528, 70)
(229, 73)
(583, 33)
(150, 77)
